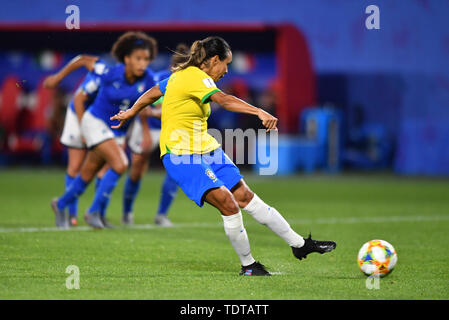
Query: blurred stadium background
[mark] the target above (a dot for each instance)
(364, 116)
(348, 98)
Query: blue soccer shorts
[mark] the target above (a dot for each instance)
(198, 173)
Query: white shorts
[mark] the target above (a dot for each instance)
(135, 137)
(71, 134)
(96, 131)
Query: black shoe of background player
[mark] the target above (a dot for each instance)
(106, 223)
(254, 269)
(311, 245)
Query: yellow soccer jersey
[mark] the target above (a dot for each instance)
(185, 110)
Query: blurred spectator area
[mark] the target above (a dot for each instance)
(390, 87)
(264, 72)
(31, 120)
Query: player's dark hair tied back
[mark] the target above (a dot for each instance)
(202, 50)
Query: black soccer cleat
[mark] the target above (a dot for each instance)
(311, 245)
(254, 269)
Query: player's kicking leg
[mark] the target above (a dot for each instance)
(223, 200)
(269, 216)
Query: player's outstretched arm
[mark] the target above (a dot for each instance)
(79, 61)
(149, 97)
(235, 104)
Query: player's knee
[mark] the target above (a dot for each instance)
(121, 167)
(243, 196)
(74, 168)
(229, 205)
(73, 171)
(135, 175)
(138, 167)
(88, 171)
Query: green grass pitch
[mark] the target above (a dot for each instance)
(194, 260)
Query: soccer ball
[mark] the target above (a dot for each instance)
(377, 257)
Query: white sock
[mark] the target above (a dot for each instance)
(234, 229)
(270, 217)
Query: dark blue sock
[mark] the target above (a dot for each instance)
(97, 183)
(168, 193)
(104, 191)
(104, 206)
(129, 194)
(73, 207)
(75, 189)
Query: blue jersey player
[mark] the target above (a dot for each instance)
(121, 85)
(71, 135)
(140, 160)
(149, 129)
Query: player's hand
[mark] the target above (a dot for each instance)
(51, 82)
(123, 117)
(268, 120)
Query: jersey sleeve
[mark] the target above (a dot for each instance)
(202, 87)
(163, 85)
(91, 84)
(158, 76)
(100, 69)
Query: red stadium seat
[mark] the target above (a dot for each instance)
(9, 106)
(42, 109)
(28, 138)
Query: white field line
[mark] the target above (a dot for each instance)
(305, 221)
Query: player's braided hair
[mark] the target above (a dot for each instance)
(203, 50)
(132, 40)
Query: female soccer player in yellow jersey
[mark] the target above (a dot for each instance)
(194, 159)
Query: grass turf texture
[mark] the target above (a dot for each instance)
(196, 261)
